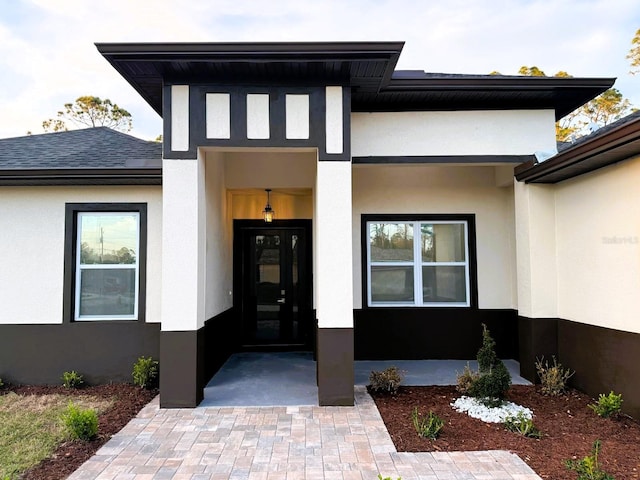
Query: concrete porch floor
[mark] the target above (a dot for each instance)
(258, 379)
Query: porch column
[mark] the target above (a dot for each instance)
(333, 283)
(183, 282)
(537, 274)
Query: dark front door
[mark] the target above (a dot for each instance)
(275, 287)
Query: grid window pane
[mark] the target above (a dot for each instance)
(391, 242)
(392, 284)
(442, 242)
(107, 238)
(107, 292)
(444, 284)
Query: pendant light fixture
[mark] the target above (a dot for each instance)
(268, 212)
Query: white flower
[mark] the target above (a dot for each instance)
(474, 408)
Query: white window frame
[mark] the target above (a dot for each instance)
(417, 264)
(79, 268)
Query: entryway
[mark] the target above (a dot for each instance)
(272, 284)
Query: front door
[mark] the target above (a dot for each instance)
(275, 286)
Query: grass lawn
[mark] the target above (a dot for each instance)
(31, 428)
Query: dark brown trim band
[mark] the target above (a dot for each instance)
(335, 366)
(421, 159)
(102, 176)
(101, 352)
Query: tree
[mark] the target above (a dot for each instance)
(606, 108)
(634, 53)
(90, 111)
(531, 71)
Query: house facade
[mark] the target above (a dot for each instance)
(399, 227)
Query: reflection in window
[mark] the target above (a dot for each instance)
(107, 265)
(418, 263)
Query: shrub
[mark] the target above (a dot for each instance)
(553, 377)
(387, 380)
(493, 379)
(486, 356)
(72, 379)
(522, 425)
(429, 426)
(588, 468)
(1, 384)
(387, 478)
(607, 405)
(145, 372)
(466, 380)
(81, 423)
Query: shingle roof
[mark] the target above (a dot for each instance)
(90, 148)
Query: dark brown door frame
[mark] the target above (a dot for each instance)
(242, 230)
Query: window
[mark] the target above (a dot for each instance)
(418, 261)
(104, 265)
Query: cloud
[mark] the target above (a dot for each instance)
(47, 56)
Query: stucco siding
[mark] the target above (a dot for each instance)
(512, 132)
(32, 222)
(402, 189)
(598, 247)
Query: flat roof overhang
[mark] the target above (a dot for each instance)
(366, 67)
(613, 144)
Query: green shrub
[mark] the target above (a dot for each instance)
(553, 378)
(386, 381)
(427, 426)
(607, 405)
(486, 356)
(145, 372)
(522, 425)
(81, 423)
(588, 468)
(1, 384)
(493, 379)
(72, 379)
(466, 380)
(387, 478)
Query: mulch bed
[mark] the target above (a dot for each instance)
(128, 401)
(568, 426)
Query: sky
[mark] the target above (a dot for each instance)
(48, 57)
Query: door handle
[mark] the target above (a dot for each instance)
(280, 300)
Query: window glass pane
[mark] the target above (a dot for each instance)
(392, 284)
(391, 242)
(107, 291)
(107, 238)
(444, 284)
(442, 242)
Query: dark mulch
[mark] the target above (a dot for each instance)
(128, 401)
(569, 429)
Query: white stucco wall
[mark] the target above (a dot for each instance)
(184, 244)
(598, 247)
(32, 227)
(219, 271)
(423, 189)
(512, 132)
(270, 169)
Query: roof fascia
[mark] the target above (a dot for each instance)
(101, 176)
(536, 172)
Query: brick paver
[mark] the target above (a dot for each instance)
(280, 443)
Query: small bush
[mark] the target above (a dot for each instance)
(607, 405)
(72, 379)
(491, 387)
(81, 423)
(552, 377)
(386, 381)
(522, 425)
(466, 380)
(145, 372)
(427, 427)
(486, 356)
(387, 478)
(588, 468)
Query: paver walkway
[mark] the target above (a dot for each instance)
(280, 443)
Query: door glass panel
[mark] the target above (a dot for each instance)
(267, 285)
(295, 316)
